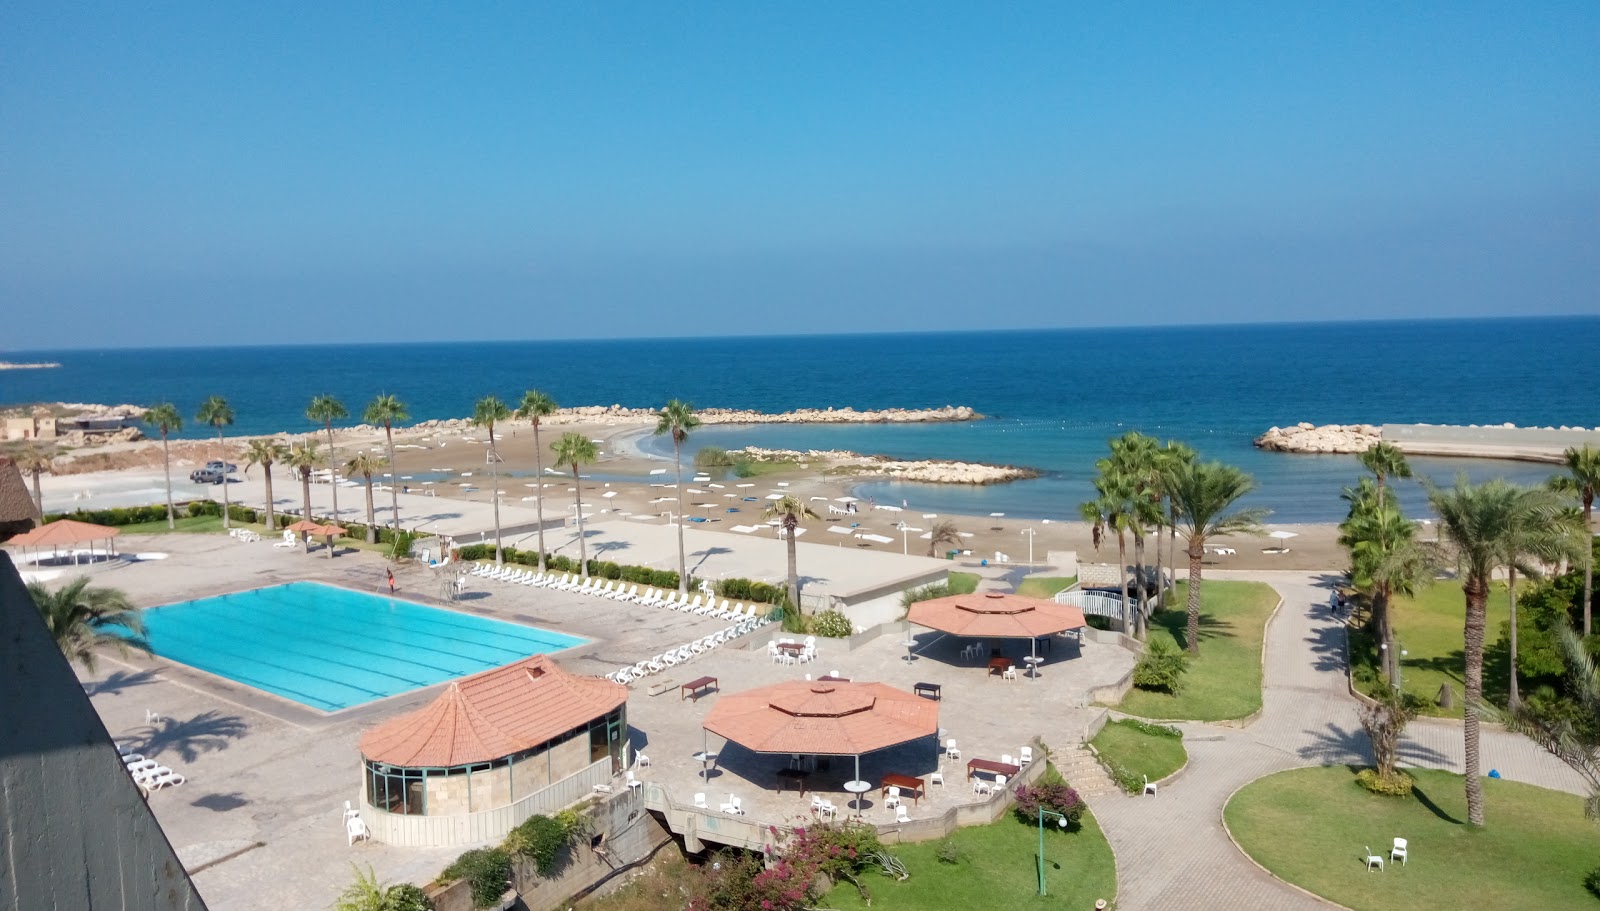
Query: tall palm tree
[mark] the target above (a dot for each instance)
(366, 464)
(536, 406)
(1583, 480)
(1112, 509)
(943, 532)
(1139, 458)
(1482, 523)
(81, 619)
(1170, 457)
(1572, 738)
(1385, 560)
(678, 419)
(216, 412)
(790, 510)
(324, 410)
(33, 461)
(386, 411)
(265, 452)
(1203, 496)
(575, 449)
(487, 412)
(166, 419)
(1385, 460)
(304, 459)
(1529, 547)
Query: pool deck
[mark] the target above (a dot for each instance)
(268, 779)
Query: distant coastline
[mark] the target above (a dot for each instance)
(9, 365)
(1501, 441)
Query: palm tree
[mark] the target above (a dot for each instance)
(791, 511)
(486, 413)
(33, 461)
(535, 407)
(1137, 457)
(82, 619)
(1170, 457)
(678, 419)
(575, 449)
(1203, 494)
(1530, 547)
(324, 410)
(1112, 509)
(264, 452)
(1583, 481)
(216, 412)
(166, 419)
(943, 532)
(386, 410)
(1385, 460)
(304, 459)
(366, 464)
(1572, 738)
(1385, 560)
(1482, 523)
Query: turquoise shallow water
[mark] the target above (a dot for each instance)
(331, 648)
(1053, 396)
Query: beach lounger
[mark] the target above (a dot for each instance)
(166, 779)
(288, 540)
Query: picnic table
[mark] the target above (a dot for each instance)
(931, 690)
(989, 765)
(795, 776)
(693, 687)
(999, 664)
(795, 647)
(909, 787)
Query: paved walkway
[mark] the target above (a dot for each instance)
(1172, 851)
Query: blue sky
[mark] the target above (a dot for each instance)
(460, 171)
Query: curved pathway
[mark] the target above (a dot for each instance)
(1172, 851)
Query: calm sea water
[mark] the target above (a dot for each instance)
(1054, 396)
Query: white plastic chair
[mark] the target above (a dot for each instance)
(1006, 758)
(732, 807)
(700, 801)
(1374, 861)
(936, 778)
(633, 783)
(981, 786)
(999, 782)
(1398, 851)
(893, 800)
(356, 829)
(1149, 786)
(828, 809)
(1025, 755)
(900, 814)
(1009, 673)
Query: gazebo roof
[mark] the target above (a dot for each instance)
(493, 714)
(833, 718)
(64, 533)
(996, 615)
(17, 512)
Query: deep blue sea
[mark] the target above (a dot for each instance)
(1053, 397)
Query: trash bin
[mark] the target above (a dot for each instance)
(950, 554)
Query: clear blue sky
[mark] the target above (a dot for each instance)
(456, 171)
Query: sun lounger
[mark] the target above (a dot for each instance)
(166, 779)
(288, 540)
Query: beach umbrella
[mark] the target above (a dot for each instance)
(1283, 538)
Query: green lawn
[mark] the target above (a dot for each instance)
(1311, 827)
(1122, 744)
(1224, 681)
(1044, 586)
(963, 583)
(186, 524)
(997, 869)
(1429, 628)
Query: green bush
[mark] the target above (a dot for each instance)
(1161, 667)
(540, 839)
(487, 869)
(1398, 784)
(949, 852)
(747, 590)
(1128, 780)
(407, 897)
(1592, 882)
(1154, 730)
(713, 457)
(368, 894)
(832, 624)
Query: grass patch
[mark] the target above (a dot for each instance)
(186, 525)
(1130, 751)
(963, 583)
(996, 866)
(1309, 826)
(1429, 628)
(1044, 586)
(1224, 680)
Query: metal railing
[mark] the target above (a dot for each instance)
(487, 825)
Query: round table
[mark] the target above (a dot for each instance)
(705, 759)
(1033, 662)
(858, 788)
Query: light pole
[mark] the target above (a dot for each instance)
(1384, 646)
(1029, 532)
(1060, 821)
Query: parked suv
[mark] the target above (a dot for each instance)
(207, 476)
(221, 467)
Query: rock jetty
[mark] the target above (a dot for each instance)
(1335, 438)
(619, 415)
(928, 471)
(10, 365)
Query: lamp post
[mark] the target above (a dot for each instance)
(1030, 532)
(1060, 821)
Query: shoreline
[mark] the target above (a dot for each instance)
(1472, 441)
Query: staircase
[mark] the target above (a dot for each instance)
(1083, 771)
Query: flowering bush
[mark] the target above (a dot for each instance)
(1053, 794)
(738, 882)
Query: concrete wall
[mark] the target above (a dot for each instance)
(75, 831)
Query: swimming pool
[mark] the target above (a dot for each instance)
(332, 648)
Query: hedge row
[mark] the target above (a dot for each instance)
(604, 569)
(748, 590)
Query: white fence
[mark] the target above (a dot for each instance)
(488, 825)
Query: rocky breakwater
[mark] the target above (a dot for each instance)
(927, 471)
(618, 414)
(1328, 438)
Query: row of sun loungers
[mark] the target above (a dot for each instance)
(614, 590)
(683, 654)
(149, 774)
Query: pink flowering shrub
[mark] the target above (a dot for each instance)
(1053, 794)
(740, 882)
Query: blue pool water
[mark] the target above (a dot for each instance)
(331, 648)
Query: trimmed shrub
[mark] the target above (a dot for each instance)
(487, 869)
(1052, 793)
(747, 590)
(832, 624)
(1397, 784)
(1161, 667)
(1592, 882)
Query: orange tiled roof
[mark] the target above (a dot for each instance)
(837, 718)
(65, 532)
(994, 615)
(493, 714)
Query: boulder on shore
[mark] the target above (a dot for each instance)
(1329, 438)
